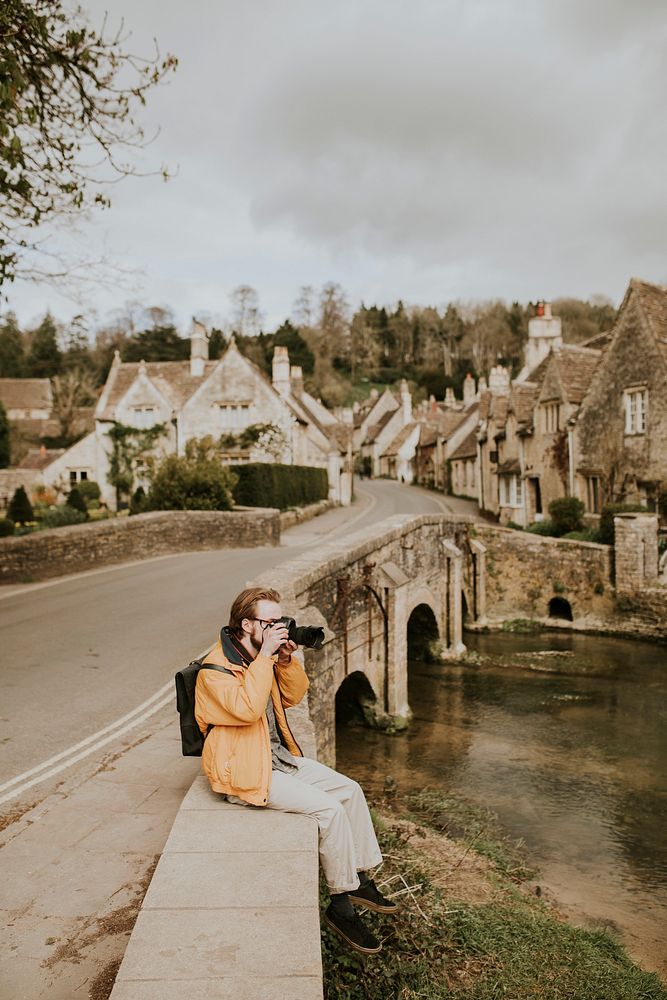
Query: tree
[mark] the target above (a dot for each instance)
(333, 322)
(12, 354)
(20, 509)
(67, 107)
(44, 358)
(246, 317)
(217, 344)
(161, 343)
(5, 449)
(196, 480)
(299, 351)
(69, 391)
(76, 501)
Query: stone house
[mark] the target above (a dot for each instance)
(199, 397)
(379, 436)
(620, 435)
(26, 398)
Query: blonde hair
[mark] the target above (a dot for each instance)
(244, 604)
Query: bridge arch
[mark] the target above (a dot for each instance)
(423, 631)
(355, 699)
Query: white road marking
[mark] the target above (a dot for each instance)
(90, 749)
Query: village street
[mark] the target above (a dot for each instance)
(91, 770)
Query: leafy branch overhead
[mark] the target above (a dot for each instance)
(69, 97)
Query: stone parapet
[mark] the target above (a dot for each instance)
(80, 547)
(635, 551)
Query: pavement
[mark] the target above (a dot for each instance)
(91, 769)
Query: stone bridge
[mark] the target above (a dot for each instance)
(365, 591)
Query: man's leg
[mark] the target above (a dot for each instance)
(351, 796)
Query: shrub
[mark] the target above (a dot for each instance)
(43, 495)
(89, 490)
(60, 517)
(194, 481)
(75, 500)
(266, 485)
(566, 514)
(6, 527)
(139, 501)
(606, 528)
(585, 535)
(542, 528)
(20, 509)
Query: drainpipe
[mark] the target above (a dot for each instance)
(524, 481)
(570, 454)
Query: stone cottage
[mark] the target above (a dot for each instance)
(199, 397)
(620, 435)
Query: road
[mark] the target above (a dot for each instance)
(91, 774)
(81, 652)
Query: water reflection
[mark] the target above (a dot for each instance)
(565, 737)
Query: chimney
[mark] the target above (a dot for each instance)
(468, 390)
(499, 379)
(450, 398)
(198, 349)
(481, 385)
(406, 402)
(373, 394)
(281, 371)
(544, 332)
(296, 379)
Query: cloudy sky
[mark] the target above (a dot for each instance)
(430, 150)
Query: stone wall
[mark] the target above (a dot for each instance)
(525, 572)
(636, 551)
(81, 547)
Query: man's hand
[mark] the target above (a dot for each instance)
(273, 638)
(285, 652)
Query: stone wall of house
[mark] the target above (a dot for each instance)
(80, 547)
(636, 551)
(525, 572)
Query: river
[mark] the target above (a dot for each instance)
(564, 737)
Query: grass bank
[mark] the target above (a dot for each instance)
(472, 926)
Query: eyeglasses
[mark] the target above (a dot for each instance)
(265, 623)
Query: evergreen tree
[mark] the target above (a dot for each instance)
(12, 354)
(75, 500)
(44, 358)
(161, 343)
(5, 451)
(20, 509)
(299, 351)
(216, 344)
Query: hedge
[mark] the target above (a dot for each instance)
(261, 484)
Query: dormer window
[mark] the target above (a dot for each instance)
(636, 405)
(233, 416)
(144, 416)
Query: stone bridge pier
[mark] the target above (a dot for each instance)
(363, 592)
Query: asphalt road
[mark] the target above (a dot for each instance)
(80, 652)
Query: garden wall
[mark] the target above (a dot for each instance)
(59, 551)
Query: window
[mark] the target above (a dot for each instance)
(593, 493)
(636, 405)
(511, 491)
(551, 415)
(233, 416)
(143, 416)
(77, 476)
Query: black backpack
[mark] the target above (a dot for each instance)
(192, 738)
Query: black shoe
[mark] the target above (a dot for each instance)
(352, 930)
(370, 896)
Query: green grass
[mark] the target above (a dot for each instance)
(513, 947)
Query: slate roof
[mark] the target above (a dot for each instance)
(26, 393)
(39, 458)
(522, 402)
(576, 366)
(448, 421)
(400, 439)
(467, 448)
(171, 378)
(375, 429)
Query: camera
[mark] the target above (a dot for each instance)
(310, 636)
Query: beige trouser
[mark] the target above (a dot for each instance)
(347, 840)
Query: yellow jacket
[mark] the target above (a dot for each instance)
(237, 752)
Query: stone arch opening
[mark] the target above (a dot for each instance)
(560, 608)
(355, 700)
(422, 633)
(465, 613)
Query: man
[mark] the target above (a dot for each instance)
(251, 757)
